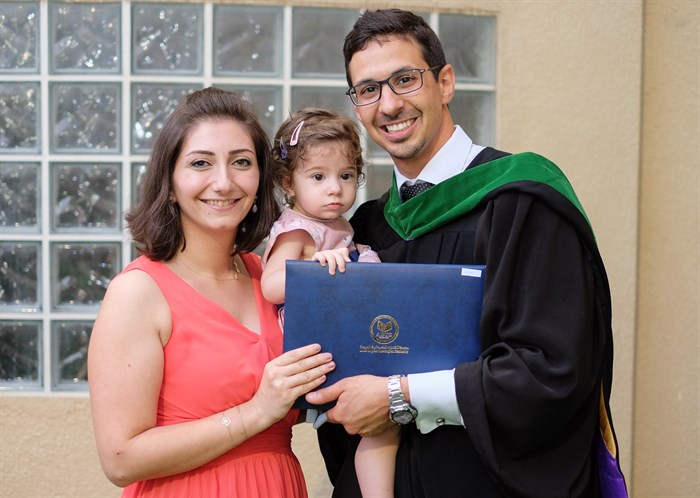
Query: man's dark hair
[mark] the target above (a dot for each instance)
(377, 25)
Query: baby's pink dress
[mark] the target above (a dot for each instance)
(326, 235)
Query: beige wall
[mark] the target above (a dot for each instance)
(47, 449)
(609, 91)
(666, 410)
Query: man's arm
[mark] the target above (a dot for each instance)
(363, 402)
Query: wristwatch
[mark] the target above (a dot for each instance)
(400, 411)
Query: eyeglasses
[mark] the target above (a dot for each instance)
(400, 83)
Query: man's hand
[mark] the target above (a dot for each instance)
(362, 407)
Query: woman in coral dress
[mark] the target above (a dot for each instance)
(190, 391)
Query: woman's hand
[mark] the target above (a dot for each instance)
(288, 377)
(334, 258)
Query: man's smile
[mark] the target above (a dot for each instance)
(396, 127)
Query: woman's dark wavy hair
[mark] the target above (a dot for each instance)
(378, 24)
(320, 126)
(155, 223)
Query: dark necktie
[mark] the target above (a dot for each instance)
(407, 190)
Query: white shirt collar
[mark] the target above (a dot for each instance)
(453, 158)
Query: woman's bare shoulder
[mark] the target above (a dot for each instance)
(134, 298)
(134, 284)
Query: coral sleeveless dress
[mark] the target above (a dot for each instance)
(213, 363)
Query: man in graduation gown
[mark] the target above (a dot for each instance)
(529, 417)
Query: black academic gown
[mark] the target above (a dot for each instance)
(530, 403)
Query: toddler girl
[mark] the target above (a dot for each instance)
(318, 166)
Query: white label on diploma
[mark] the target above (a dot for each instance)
(471, 272)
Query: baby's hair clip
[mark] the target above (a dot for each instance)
(295, 134)
(283, 149)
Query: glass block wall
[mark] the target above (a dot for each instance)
(84, 90)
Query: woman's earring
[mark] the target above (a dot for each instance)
(255, 205)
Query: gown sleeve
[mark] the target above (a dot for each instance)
(531, 395)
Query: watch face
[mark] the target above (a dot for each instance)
(402, 417)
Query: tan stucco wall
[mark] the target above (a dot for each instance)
(603, 89)
(47, 449)
(666, 408)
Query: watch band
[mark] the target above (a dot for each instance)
(400, 411)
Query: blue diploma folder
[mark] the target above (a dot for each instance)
(384, 318)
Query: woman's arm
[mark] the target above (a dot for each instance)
(125, 371)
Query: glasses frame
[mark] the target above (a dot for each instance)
(352, 91)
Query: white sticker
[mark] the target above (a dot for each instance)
(471, 272)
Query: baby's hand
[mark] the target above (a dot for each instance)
(334, 258)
